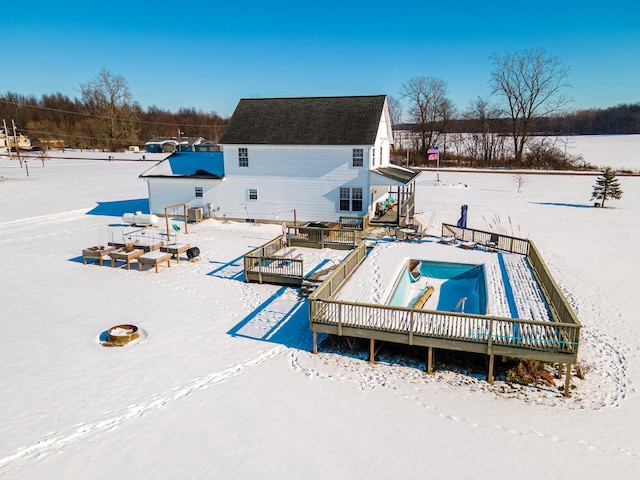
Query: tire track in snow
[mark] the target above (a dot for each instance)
(26, 225)
(58, 441)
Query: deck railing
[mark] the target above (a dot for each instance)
(502, 242)
(348, 222)
(333, 282)
(457, 331)
(557, 340)
(263, 265)
(560, 308)
(316, 237)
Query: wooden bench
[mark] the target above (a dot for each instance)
(125, 256)
(175, 249)
(96, 252)
(154, 258)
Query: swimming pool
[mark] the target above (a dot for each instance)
(441, 286)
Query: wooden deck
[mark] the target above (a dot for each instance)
(266, 265)
(556, 340)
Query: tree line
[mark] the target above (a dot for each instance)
(512, 125)
(106, 116)
(509, 127)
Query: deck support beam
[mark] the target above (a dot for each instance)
(560, 368)
(315, 342)
(372, 352)
(429, 359)
(490, 378)
(567, 382)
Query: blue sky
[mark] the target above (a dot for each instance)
(208, 55)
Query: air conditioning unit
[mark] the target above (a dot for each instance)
(194, 214)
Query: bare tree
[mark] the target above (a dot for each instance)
(395, 110)
(43, 156)
(532, 84)
(428, 106)
(520, 179)
(108, 99)
(486, 129)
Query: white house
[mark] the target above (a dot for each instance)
(322, 157)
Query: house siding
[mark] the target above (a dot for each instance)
(304, 178)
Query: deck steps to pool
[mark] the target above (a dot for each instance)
(308, 287)
(314, 280)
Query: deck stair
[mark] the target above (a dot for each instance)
(314, 280)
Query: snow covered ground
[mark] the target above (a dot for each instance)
(223, 383)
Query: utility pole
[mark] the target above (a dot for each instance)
(15, 142)
(6, 137)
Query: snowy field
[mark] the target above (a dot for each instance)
(223, 384)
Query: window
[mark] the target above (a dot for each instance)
(243, 157)
(253, 194)
(198, 192)
(358, 157)
(373, 156)
(345, 195)
(356, 199)
(350, 199)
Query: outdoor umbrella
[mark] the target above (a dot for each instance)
(462, 222)
(284, 234)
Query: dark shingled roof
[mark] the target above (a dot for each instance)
(395, 173)
(305, 121)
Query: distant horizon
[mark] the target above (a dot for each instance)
(211, 55)
(405, 121)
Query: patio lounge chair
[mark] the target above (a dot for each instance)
(492, 244)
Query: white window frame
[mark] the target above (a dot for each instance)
(243, 157)
(350, 198)
(357, 159)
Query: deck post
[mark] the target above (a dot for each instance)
(560, 368)
(315, 342)
(567, 382)
(490, 377)
(372, 344)
(429, 359)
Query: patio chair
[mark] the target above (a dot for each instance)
(400, 235)
(492, 244)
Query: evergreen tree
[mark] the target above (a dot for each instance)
(607, 186)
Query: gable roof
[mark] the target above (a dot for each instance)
(305, 121)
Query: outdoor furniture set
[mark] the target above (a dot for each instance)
(145, 252)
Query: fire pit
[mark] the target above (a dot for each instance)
(122, 334)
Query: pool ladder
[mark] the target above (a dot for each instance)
(460, 305)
